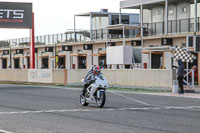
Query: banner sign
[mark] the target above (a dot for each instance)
(66, 48)
(167, 41)
(111, 44)
(136, 43)
(87, 46)
(15, 15)
(19, 51)
(5, 52)
(48, 49)
(41, 76)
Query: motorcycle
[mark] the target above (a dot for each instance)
(95, 93)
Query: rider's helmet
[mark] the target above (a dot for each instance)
(96, 70)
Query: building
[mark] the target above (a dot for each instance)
(77, 49)
(165, 24)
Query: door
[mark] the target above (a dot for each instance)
(156, 60)
(82, 62)
(45, 63)
(4, 63)
(61, 62)
(28, 62)
(16, 63)
(102, 61)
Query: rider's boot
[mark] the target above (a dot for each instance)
(83, 91)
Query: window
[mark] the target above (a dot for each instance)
(171, 11)
(79, 50)
(184, 10)
(4, 63)
(81, 62)
(100, 49)
(183, 45)
(102, 61)
(28, 62)
(154, 13)
(45, 63)
(16, 63)
(159, 12)
(156, 60)
(61, 62)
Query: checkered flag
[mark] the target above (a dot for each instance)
(182, 54)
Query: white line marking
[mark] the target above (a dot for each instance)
(93, 110)
(4, 131)
(132, 99)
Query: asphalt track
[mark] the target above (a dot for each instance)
(34, 109)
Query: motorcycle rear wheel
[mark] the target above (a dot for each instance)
(101, 101)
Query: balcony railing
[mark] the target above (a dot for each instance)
(78, 36)
(151, 29)
(174, 27)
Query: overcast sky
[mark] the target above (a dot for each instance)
(56, 16)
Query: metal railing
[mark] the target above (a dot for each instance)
(48, 39)
(189, 78)
(78, 36)
(174, 27)
(151, 29)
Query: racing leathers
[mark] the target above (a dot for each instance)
(88, 79)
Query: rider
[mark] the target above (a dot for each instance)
(90, 77)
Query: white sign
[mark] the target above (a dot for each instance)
(119, 55)
(40, 75)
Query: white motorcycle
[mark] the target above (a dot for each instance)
(95, 93)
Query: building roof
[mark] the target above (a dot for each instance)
(158, 48)
(135, 4)
(121, 26)
(101, 14)
(98, 14)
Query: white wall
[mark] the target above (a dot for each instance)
(167, 60)
(147, 16)
(99, 22)
(181, 15)
(119, 55)
(146, 59)
(158, 13)
(192, 8)
(174, 9)
(146, 78)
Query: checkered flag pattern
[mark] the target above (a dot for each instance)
(182, 54)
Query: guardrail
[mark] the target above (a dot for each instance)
(174, 27)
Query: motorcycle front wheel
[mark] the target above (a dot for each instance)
(102, 99)
(83, 101)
